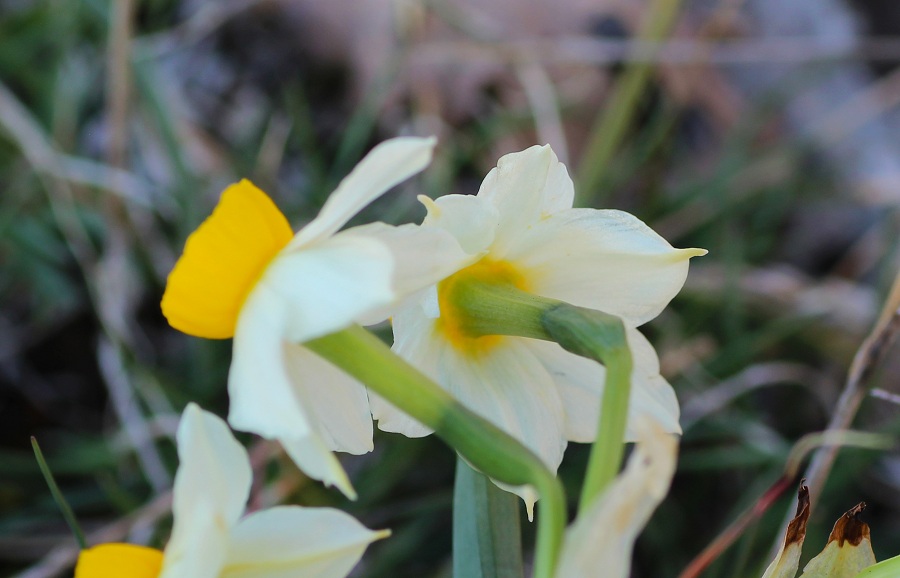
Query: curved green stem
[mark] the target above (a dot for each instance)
(484, 445)
(492, 309)
(601, 337)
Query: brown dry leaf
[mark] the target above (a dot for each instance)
(849, 549)
(788, 559)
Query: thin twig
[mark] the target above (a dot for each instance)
(734, 530)
(864, 363)
(27, 134)
(806, 444)
(129, 414)
(751, 378)
(593, 51)
(867, 358)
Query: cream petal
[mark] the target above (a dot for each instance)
(422, 256)
(327, 287)
(525, 187)
(471, 220)
(264, 399)
(198, 546)
(386, 165)
(211, 489)
(528, 494)
(415, 341)
(651, 395)
(580, 384)
(507, 386)
(291, 541)
(259, 387)
(336, 404)
(603, 536)
(607, 260)
(511, 389)
(313, 457)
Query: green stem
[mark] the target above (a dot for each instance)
(610, 127)
(491, 309)
(484, 445)
(61, 502)
(601, 337)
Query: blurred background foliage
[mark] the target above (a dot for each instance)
(764, 131)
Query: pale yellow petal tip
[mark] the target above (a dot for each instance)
(222, 260)
(433, 209)
(693, 252)
(343, 484)
(380, 534)
(118, 561)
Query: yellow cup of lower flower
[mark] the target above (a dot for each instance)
(119, 561)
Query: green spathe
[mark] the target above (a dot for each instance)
(487, 531)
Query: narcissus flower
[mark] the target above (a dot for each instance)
(603, 535)
(211, 539)
(521, 231)
(245, 274)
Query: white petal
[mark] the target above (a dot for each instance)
(259, 387)
(506, 385)
(335, 403)
(525, 187)
(211, 489)
(291, 541)
(603, 536)
(414, 340)
(422, 256)
(386, 165)
(607, 260)
(471, 220)
(651, 394)
(510, 388)
(263, 397)
(580, 384)
(329, 286)
(198, 546)
(313, 457)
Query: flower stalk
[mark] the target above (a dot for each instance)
(500, 309)
(484, 445)
(601, 337)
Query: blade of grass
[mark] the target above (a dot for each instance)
(610, 128)
(61, 502)
(487, 538)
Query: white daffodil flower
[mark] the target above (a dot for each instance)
(211, 539)
(244, 274)
(521, 230)
(603, 536)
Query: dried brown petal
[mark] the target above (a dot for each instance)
(788, 559)
(848, 551)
